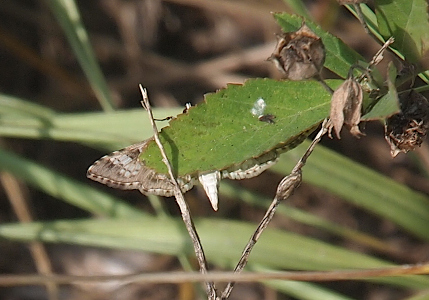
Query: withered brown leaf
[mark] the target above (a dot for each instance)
(346, 107)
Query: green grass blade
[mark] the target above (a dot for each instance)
(276, 249)
(14, 106)
(68, 16)
(65, 188)
(114, 130)
(120, 127)
(298, 215)
(363, 187)
(304, 290)
(301, 290)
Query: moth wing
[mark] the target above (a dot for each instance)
(123, 169)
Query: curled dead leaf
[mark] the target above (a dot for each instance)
(346, 107)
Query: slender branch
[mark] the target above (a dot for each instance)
(324, 84)
(361, 18)
(19, 202)
(323, 130)
(184, 209)
(8, 280)
(284, 190)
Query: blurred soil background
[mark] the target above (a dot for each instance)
(179, 50)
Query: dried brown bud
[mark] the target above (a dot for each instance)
(344, 2)
(299, 55)
(346, 107)
(406, 130)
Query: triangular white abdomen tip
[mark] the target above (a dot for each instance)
(210, 183)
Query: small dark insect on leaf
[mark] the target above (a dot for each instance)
(267, 118)
(187, 107)
(344, 2)
(164, 119)
(405, 131)
(185, 110)
(299, 55)
(258, 110)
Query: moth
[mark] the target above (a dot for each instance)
(123, 169)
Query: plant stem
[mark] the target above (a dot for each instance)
(284, 190)
(180, 199)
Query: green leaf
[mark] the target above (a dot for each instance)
(407, 21)
(339, 56)
(222, 131)
(298, 7)
(388, 104)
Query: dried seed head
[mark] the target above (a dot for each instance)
(288, 185)
(344, 2)
(406, 130)
(299, 55)
(346, 107)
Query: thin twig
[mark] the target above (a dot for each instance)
(379, 55)
(361, 18)
(184, 209)
(285, 189)
(9, 280)
(323, 130)
(19, 203)
(324, 84)
(376, 59)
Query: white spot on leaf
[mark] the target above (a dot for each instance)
(258, 107)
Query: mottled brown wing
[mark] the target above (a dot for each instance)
(124, 170)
